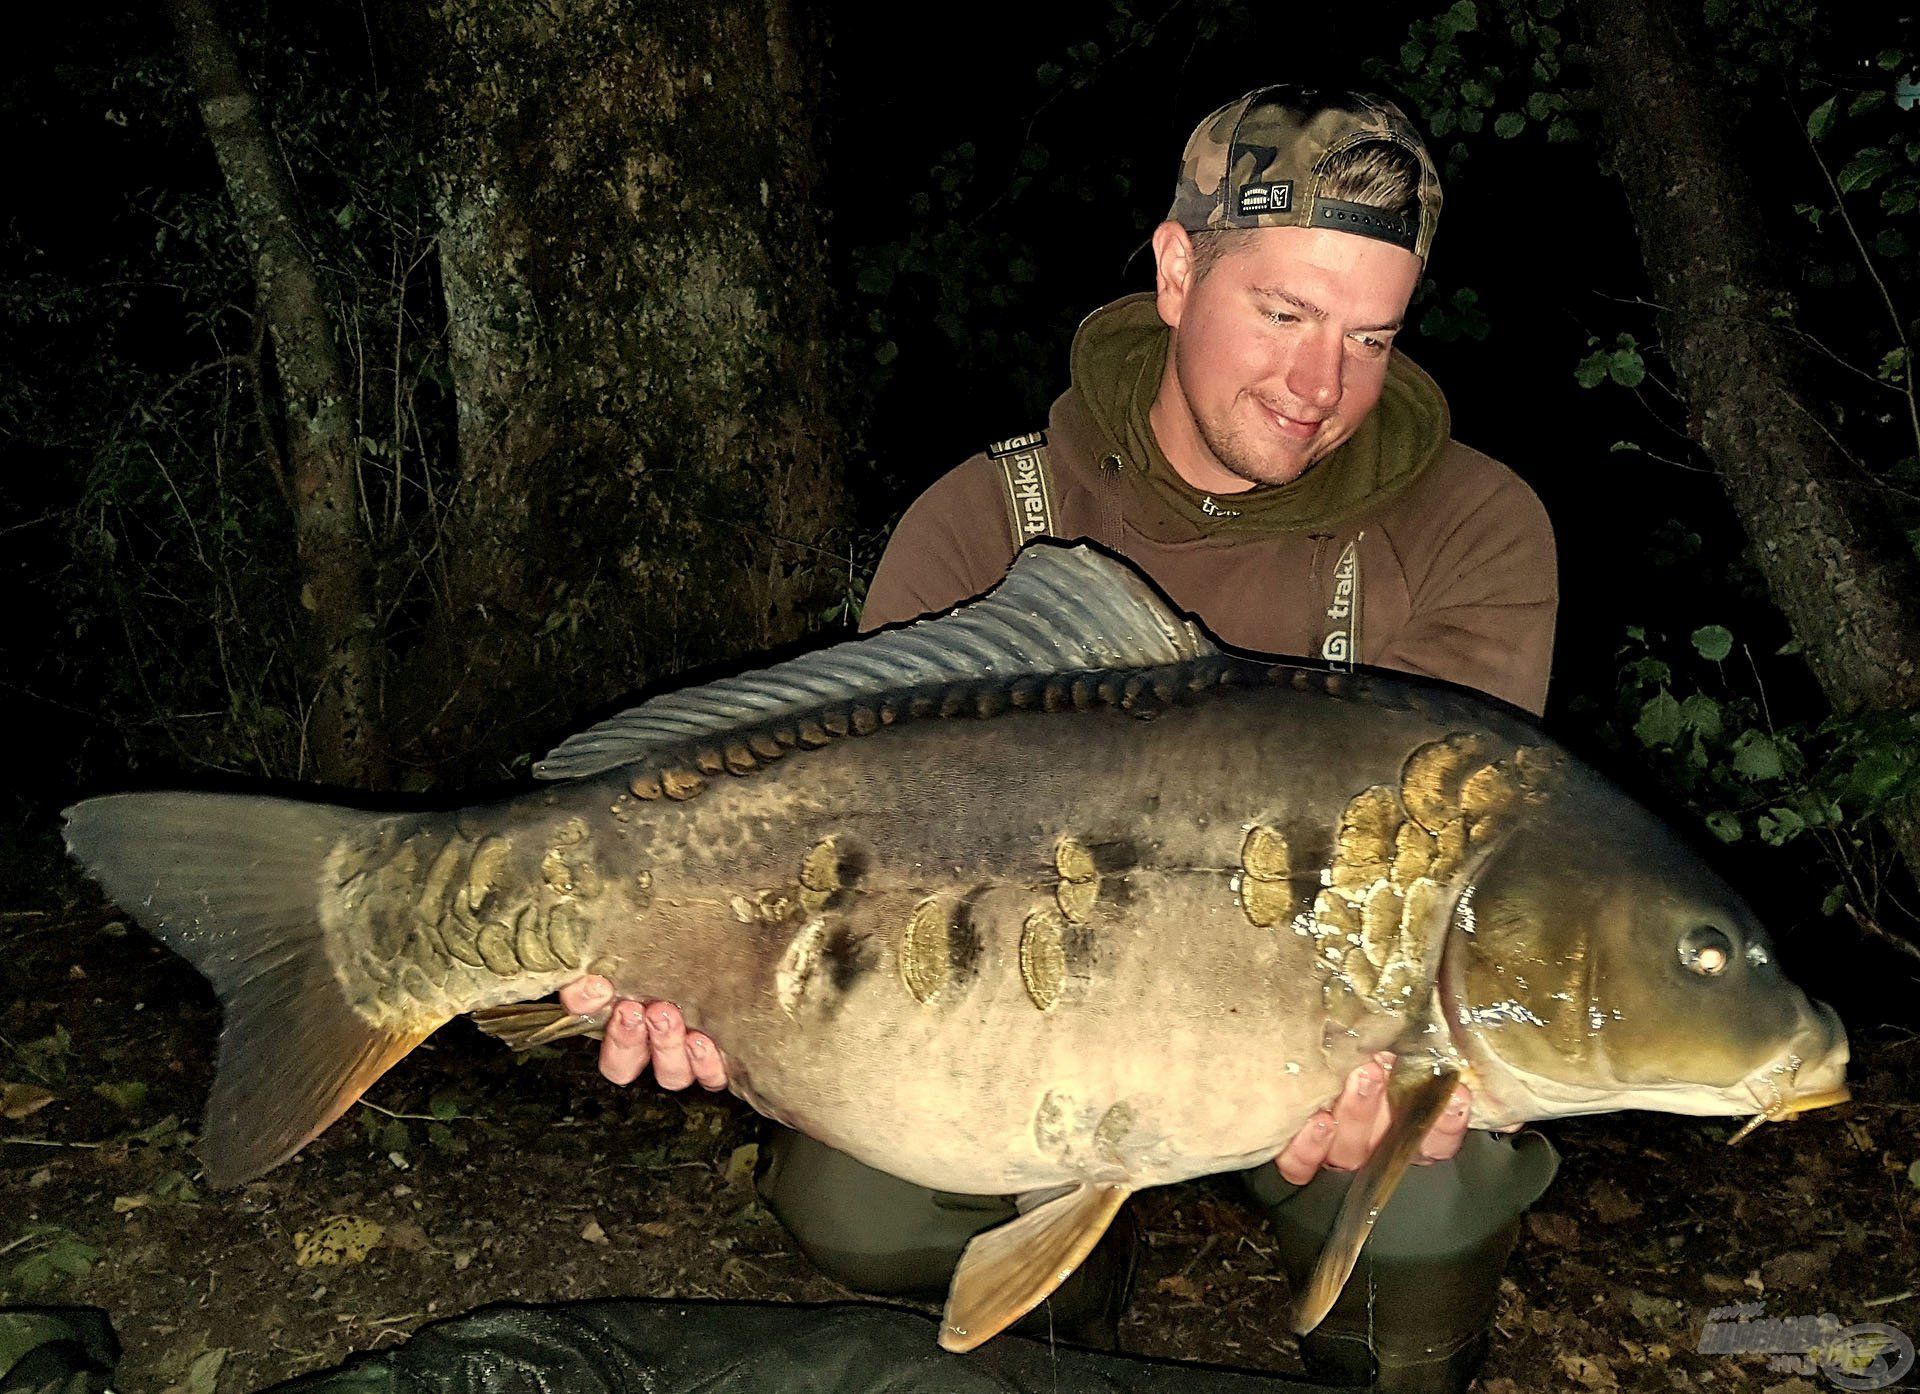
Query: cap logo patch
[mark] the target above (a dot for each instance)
(1266, 198)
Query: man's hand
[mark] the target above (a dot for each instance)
(647, 1033)
(1343, 1137)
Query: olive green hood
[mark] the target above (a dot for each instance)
(1119, 357)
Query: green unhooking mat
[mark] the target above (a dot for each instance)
(644, 1347)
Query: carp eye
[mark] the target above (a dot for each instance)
(1706, 950)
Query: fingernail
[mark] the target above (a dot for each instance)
(1322, 1127)
(630, 1018)
(1369, 1085)
(697, 1049)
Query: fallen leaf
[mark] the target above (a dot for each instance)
(1587, 1371)
(741, 1163)
(343, 1239)
(1797, 1268)
(1550, 1228)
(1181, 1286)
(658, 1229)
(408, 1237)
(593, 1234)
(22, 1101)
(203, 1375)
(1612, 1205)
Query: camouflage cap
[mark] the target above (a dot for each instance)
(1257, 162)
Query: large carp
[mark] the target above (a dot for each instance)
(1049, 896)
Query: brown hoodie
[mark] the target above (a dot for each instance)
(1403, 548)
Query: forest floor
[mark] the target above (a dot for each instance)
(471, 1177)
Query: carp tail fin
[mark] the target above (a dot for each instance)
(1416, 1098)
(1009, 1270)
(233, 884)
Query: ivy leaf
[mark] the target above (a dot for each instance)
(1626, 367)
(1713, 642)
(1509, 125)
(1821, 121)
(1659, 722)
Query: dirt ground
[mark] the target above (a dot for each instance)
(471, 1177)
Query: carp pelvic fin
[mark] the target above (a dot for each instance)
(1416, 1097)
(524, 1025)
(233, 884)
(1008, 1271)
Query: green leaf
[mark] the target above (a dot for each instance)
(1866, 102)
(1866, 169)
(1048, 73)
(1713, 642)
(1509, 125)
(1724, 825)
(1756, 756)
(1702, 714)
(1659, 723)
(126, 1095)
(1464, 15)
(1475, 93)
(1835, 899)
(1412, 54)
(1563, 129)
(1821, 121)
(1913, 1171)
(1626, 367)
(874, 279)
(886, 353)
(1779, 826)
(444, 1107)
(1592, 370)
(1620, 445)
(1890, 58)
(203, 1375)
(1539, 105)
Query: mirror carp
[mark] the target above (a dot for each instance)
(1050, 896)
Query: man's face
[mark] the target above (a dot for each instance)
(1279, 350)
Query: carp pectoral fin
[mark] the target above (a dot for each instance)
(1009, 1270)
(1416, 1099)
(524, 1025)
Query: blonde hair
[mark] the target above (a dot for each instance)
(1375, 173)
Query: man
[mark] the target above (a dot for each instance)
(1248, 436)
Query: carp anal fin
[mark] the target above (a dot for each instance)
(1416, 1098)
(232, 883)
(524, 1025)
(1009, 1270)
(1059, 610)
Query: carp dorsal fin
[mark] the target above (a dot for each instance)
(1416, 1098)
(1059, 610)
(1009, 1270)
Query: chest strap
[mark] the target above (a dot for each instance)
(1029, 485)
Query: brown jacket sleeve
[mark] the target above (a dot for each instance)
(1484, 589)
(954, 543)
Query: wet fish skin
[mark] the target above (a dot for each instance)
(1048, 894)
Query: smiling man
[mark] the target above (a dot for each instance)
(1250, 437)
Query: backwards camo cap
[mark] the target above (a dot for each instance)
(1257, 162)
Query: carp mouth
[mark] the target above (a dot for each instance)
(1792, 1086)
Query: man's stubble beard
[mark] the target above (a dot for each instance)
(1231, 450)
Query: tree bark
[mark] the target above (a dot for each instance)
(1842, 576)
(345, 739)
(639, 335)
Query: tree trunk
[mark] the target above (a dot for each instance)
(345, 739)
(1844, 579)
(638, 321)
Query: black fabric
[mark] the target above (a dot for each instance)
(648, 1347)
(56, 1350)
